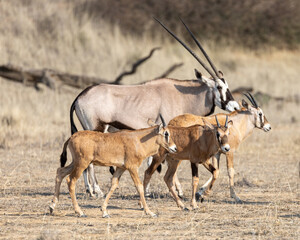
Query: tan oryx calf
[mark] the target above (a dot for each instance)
(125, 149)
(244, 120)
(197, 144)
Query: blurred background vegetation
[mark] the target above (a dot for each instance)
(249, 23)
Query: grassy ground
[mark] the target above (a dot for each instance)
(34, 125)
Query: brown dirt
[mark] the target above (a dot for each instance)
(267, 179)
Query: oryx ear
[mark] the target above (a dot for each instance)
(159, 128)
(150, 122)
(208, 124)
(209, 82)
(221, 73)
(245, 104)
(229, 124)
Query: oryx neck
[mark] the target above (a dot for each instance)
(244, 123)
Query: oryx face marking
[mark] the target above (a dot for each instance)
(223, 96)
(166, 142)
(261, 121)
(222, 138)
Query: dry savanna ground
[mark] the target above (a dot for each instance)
(35, 124)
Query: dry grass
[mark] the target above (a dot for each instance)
(33, 126)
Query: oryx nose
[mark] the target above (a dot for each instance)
(226, 148)
(173, 148)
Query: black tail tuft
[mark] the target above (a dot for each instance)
(159, 168)
(112, 170)
(63, 158)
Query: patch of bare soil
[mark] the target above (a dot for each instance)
(267, 179)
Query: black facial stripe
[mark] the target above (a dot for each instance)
(261, 120)
(223, 80)
(228, 99)
(167, 136)
(229, 96)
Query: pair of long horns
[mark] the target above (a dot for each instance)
(251, 99)
(162, 120)
(226, 122)
(214, 75)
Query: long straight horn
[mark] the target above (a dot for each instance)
(250, 99)
(188, 49)
(253, 99)
(162, 120)
(218, 124)
(202, 49)
(226, 122)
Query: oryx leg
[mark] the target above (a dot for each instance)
(195, 183)
(214, 169)
(93, 181)
(146, 188)
(169, 180)
(156, 161)
(178, 185)
(230, 170)
(60, 174)
(71, 180)
(114, 184)
(139, 187)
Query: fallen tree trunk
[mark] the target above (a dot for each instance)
(51, 77)
(48, 77)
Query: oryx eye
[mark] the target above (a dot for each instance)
(219, 87)
(167, 135)
(260, 114)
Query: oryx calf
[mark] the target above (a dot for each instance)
(125, 149)
(197, 144)
(245, 121)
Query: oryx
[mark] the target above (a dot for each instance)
(106, 149)
(131, 106)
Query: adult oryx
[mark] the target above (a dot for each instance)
(130, 107)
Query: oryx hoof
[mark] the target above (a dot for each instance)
(180, 195)
(89, 194)
(100, 194)
(238, 200)
(82, 216)
(199, 197)
(195, 207)
(51, 209)
(147, 194)
(152, 214)
(186, 209)
(106, 216)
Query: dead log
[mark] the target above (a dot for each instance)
(51, 78)
(48, 77)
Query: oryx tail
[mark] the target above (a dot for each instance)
(73, 127)
(63, 156)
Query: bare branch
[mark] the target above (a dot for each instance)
(134, 66)
(169, 70)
